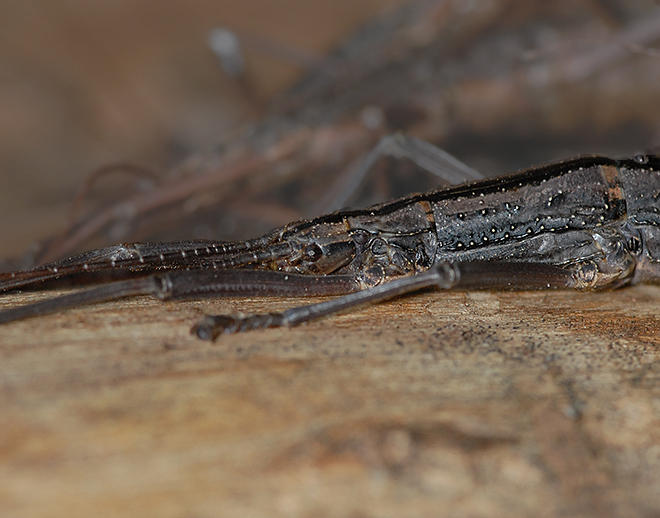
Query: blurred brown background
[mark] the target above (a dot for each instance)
(84, 84)
(502, 84)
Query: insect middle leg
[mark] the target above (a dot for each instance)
(427, 156)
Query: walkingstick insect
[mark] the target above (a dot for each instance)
(585, 223)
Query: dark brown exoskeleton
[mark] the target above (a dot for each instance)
(586, 223)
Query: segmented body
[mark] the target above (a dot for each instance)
(597, 216)
(594, 217)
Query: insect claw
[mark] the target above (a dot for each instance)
(212, 326)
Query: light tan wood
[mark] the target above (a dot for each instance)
(439, 404)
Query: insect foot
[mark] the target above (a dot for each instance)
(213, 326)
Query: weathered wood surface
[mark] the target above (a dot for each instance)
(440, 404)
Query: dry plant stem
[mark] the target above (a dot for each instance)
(167, 193)
(631, 39)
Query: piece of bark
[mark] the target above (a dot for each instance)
(438, 404)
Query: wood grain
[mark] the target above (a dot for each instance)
(438, 404)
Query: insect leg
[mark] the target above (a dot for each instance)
(445, 276)
(212, 283)
(469, 275)
(192, 284)
(112, 291)
(502, 275)
(425, 155)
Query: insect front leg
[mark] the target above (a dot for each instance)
(187, 284)
(444, 276)
(470, 275)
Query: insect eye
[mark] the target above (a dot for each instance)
(312, 253)
(641, 159)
